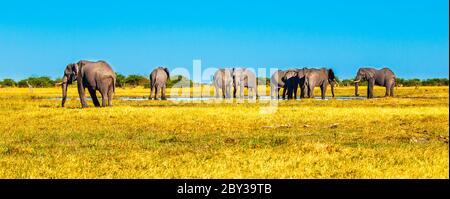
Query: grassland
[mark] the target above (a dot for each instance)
(401, 137)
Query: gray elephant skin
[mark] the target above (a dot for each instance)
(93, 76)
(223, 80)
(293, 79)
(383, 77)
(158, 82)
(243, 77)
(277, 83)
(319, 78)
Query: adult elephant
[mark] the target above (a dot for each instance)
(383, 77)
(277, 83)
(293, 79)
(158, 82)
(321, 78)
(243, 77)
(223, 79)
(93, 76)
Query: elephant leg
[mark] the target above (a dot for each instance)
(163, 93)
(311, 91)
(302, 92)
(323, 90)
(224, 90)
(156, 92)
(289, 91)
(284, 92)
(307, 95)
(370, 88)
(392, 90)
(82, 95)
(387, 91)
(104, 93)
(226, 93)
(295, 92)
(278, 93)
(110, 96)
(272, 92)
(151, 92)
(216, 91)
(93, 96)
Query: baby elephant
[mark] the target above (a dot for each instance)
(158, 82)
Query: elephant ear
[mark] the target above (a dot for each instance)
(167, 72)
(370, 75)
(331, 74)
(74, 72)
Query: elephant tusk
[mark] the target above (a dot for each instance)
(356, 81)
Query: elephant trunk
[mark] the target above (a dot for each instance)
(357, 80)
(332, 88)
(356, 89)
(64, 85)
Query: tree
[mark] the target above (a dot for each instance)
(8, 83)
(120, 80)
(180, 80)
(264, 80)
(136, 80)
(40, 82)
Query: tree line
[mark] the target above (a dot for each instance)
(141, 80)
(121, 81)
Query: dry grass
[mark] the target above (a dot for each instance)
(402, 137)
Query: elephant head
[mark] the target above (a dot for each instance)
(238, 75)
(290, 74)
(363, 74)
(70, 75)
(331, 80)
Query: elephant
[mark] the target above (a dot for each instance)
(295, 78)
(383, 77)
(158, 82)
(276, 83)
(223, 79)
(93, 76)
(243, 77)
(319, 77)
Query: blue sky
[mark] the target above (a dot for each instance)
(409, 36)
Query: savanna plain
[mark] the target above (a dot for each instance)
(396, 137)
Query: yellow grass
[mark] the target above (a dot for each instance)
(401, 137)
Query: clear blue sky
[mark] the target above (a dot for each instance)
(41, 37)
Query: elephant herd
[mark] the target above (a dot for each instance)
(305, 79)
(237, 79)
(99, 76)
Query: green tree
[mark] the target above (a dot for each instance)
(120, 80)
(180, 80)
(265, 80)
(136, 80)
(39, 82)
(8, 83)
